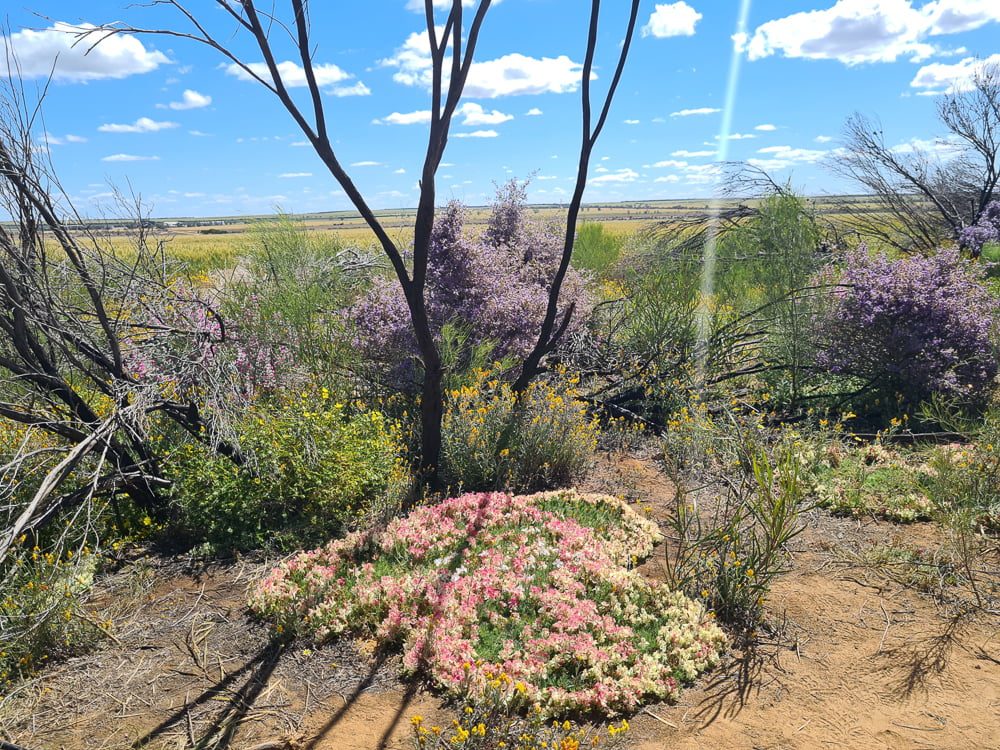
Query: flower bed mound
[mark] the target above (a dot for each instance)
(533, 593)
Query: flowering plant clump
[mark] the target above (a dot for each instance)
(533, 587)
(494, 287)
(985, 231)
(874, 480)
(912, 327)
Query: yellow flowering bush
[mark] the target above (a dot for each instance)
(492, 440)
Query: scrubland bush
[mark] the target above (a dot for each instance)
(493, 440)
(494, 287)
(314, 467)
(911, 328)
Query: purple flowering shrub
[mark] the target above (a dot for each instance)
(493, 286)
(985, 231)
(536, 588)
(185, 345)
(914, 327)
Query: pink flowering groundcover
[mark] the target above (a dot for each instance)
(538, 588)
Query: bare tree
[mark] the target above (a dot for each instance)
(452, 47)
(68, 319)
(928, 199)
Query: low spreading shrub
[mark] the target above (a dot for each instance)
(873, 480)
(911, 328)
(533, 587)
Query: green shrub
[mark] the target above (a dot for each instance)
(493, 441)
(596, 250)
(313, 468)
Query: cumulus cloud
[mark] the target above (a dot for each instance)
(693, 154)
(294, 76)
(191, 100)
(405, 118)
(667, 164)
(865, 31)
(765, 126)
(780, 157)
(478, 134)
(129, 157)
(511, 75)
(938, 78)
(51, 50)
(475, 115)
(622, 175)
(534, 111)
(699, 111)
(672, 19)
(142, 125)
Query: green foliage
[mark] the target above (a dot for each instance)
(313, 468)
(596, 250)
(729, 556)
(42, 617)
(873, 480)
(300, 281)
(493, 440)
(493, 722)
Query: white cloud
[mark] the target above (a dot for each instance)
(668, 178)
(693, 154)
(406, 118)
(294, 76)
(51, 50)
(939, 78)
(191, 100)
(863, 31)
(400, 171)
(50, 139)
(672, 19)
(475, 115)
(478, 134)
(741, 136)
(781, 157)
(631, 122)
(622, 175)
(357, 89)
(533, 112)
(823, 138)
(288, 175)
(142, 125)
(367, 164)
(765, 126)
(699, 111)
(511, 75)
(130, 157)
(668, 164)
(199, 134)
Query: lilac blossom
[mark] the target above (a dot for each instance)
(494, 286)
(913, 327)
(985, 231)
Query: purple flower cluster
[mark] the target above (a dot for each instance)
(985, 231)
(915, 326)
(185, 343)
(493, 286)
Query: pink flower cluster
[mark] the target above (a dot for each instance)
(488, 584)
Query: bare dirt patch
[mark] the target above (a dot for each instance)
(856, 659)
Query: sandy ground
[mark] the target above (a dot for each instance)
(855, 660)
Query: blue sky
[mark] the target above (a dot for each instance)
(169, 120)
